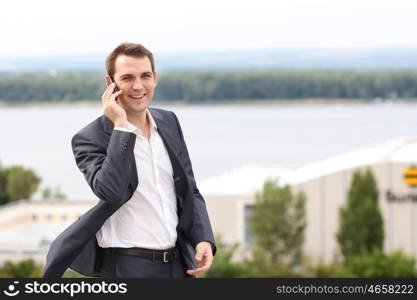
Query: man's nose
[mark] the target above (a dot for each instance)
(138, 85)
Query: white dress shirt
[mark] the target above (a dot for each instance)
(149, 219)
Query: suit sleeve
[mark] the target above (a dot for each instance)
(201, 230)
(109, 170)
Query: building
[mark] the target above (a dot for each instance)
(27, 228)
(230, 197)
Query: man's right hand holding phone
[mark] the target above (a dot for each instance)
(112, 108)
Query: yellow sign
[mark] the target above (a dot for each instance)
(410, 176)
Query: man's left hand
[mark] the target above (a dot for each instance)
(203, 257)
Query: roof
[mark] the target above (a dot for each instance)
(25, 227)
(248, 179)
(30, 237)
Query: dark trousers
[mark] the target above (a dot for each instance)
(117, 265)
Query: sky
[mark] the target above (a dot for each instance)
(54, 28)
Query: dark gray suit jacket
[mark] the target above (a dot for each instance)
(107, 160)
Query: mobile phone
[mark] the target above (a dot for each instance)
(116, 89)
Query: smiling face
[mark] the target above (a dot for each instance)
(134, 76)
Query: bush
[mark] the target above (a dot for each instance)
(27, 268)
(323, 270)
(263, 265)
(223, 265)
(378, 264)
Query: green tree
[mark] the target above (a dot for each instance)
(361, 224)
(46, 194)
(21, 183)
(278, 223)
(55, 194)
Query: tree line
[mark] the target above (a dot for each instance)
(220, 86)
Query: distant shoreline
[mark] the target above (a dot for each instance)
(215, 103)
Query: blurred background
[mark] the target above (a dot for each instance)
(299, 117)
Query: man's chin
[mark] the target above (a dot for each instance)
(137, 110)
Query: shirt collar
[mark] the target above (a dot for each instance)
(151, 120)
(132, 127)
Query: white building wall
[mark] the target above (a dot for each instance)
(325, 195)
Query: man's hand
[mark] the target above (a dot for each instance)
(203, 257)
(112, 108)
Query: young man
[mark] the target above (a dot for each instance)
(151, 220)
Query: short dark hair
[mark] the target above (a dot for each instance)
(129, 49)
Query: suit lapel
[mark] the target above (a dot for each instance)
(173, 149)
(166, 133)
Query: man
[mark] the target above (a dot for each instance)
(151, 220)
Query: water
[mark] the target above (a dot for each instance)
(219, 138)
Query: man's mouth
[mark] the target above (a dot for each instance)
(137, 97)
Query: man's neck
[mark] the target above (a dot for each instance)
(140, 121)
